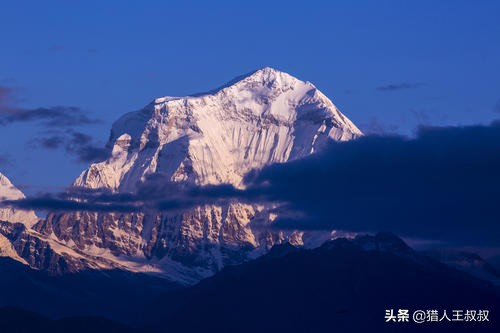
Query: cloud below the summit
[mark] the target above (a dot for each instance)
(443, 184)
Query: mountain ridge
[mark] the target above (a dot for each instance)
(261, 118)
(345, 285)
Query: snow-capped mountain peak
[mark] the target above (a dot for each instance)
(9, 192)
(217, 137)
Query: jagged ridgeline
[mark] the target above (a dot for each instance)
(210, 138)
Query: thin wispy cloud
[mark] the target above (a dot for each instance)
(58, 116)
(155, 193)
(399, 86)
(375, 126)
(80, 145)
(58, 127)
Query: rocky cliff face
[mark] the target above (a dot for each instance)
(10, 216)
(211, 138)
(33, 250)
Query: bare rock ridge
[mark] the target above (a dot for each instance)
(213, 138)
(22, 243)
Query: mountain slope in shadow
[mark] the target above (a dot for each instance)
(21, 321)
(343, 286)
(115, 294)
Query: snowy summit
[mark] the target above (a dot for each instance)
(265, 117)
(211, 138)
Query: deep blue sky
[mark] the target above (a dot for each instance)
(388, 65)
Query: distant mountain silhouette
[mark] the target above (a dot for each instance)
(21, 321)
(343, 286)
(114, 294)
(346, 285)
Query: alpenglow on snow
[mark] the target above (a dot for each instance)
(211, 138)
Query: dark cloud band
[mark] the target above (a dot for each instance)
(444, 185)
(58, 116)
(59, 124)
